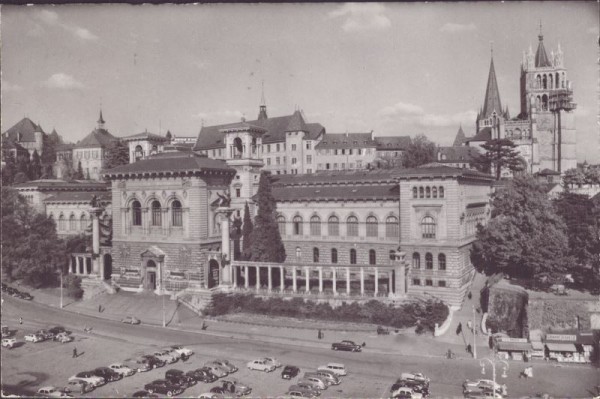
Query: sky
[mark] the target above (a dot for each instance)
(393, 68)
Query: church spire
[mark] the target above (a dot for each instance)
(541, 58)
(460, 137)
(262, 114)
(100, 120)
(492, 95)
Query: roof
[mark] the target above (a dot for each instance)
(145, 136)
(456, 154)
(437, 170)
(561, 347)
(393, 142)
(492, 95)
(97, 138)
(325, 178)
(585, 339)
(64, 147)
(297, 123)
(541, 58)
(514, 346)
(484, 134)
(56, 184)
(549, 187)
(26, 128)
(211, 137)
(345, 140)
(337, 192)
(547, 172)
(178, 162)
(460, 137)
(9, 145)
(78, 197)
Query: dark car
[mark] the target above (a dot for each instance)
(163, 386)
(414, 386)
(46, 334)
(346, 346)
(144, 394)
(107, 373)
(26, 295)
(289, 372)
(218, 389)
(154, 361)
(58, 329)
(203, 375)
(178, 377)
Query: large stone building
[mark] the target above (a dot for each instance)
(26, 134)
(91, 151)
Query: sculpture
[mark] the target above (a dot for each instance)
(94, 203)
(224, 200)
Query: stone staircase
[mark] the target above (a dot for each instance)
(195, 299)
(94, 286)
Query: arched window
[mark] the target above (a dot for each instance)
(562, 81)
(557, 81)
(176, 215)
(372, 257)
(415, 195)
(391, 227)
(83, 223)
(315, 226)
(538, 82)
(333, 226)
(156, 213)
(442, 262)
(72, 222)
(372, 226)
(315, 255)
(428, 261)
(392, 254)
(427, 192)
(297, 221)
(352, 226)
(441, 192)
(544, 82)
(434, 192)
(62, 222)
(298, 253)
(428, 227)
(139, 153)
(154, 149)
(421, 192)
(551, 81)
(416, 261)
(334, 255)
(136, 213)
(544, 103)
(281, 224)
(353, 256)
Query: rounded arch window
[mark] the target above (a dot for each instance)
(333, 226)
(334, 255)
(428, 227)
(442, 262)
(441, 192)
(139, 152)
(372, 257)
(352, 226)
(136, 213)
(434, 192)
(415, 192)
(372, 226)
(176, 214)
(297, 222)
(427, 192)
(391, 227)
(416, 260)
(353, 256)
(428, 261)
(281, 224)
(315, 226)
(83, 223)
(72, 222)
(315, 255)
(298, 253)
(156, 213)
(421, 192)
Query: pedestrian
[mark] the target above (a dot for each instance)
(74, 352)
(364, 344)
(99, 308)
(469, 295)
(470, 325)
(320, 334)
(459, 328)
(469, 349)
(20, 320)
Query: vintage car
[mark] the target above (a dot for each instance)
(346, 345)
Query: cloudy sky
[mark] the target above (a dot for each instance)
(397, 69)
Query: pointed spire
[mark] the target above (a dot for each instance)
(296, 123)
(460, 137)
(262, 113)
(492, 95)
(541, 58)
(100, 120)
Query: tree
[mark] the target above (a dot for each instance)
(35, 166)
(573, 176)
(419, 152)
(9, 170)
(169, 136)
(79, 174)
(48, 156)
(22, 169)
(265, 239)
(117, 154)
(524, 237)
(247, 233)
(236, 234)
(499, 154)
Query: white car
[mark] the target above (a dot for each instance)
(479, 385)
(336, 368)
(261, 365)
(182, 350)
(405, 392)
(52, 392)
(273, 361)
(122, 369)
(414, 377)
(34, 338)
(64, 338)
(89, 377)
(9, 342)
(167, 356)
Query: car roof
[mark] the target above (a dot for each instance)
(335, 365)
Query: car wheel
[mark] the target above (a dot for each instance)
(335, 348)
(151, 390)
(169, 393)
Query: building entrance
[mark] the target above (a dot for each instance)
(213, 273)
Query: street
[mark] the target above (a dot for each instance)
(370, 373)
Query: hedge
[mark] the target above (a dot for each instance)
(425, 314)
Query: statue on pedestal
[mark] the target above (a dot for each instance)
(224, 200)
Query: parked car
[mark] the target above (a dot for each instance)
(9, 343)
(273, 361)
(481, 385)
(327, 377)
(233, 386)
(79, 386)
(336, 368)
(210, 395)
(216, 369)
(130, 320)
(312, 382)
(140, 365)
(182, 350)
(107, 373)
(6, 332)
(52, 392)
(57, 330)
(303, 392)
(122, 369)
(166, 356)
(260, 365)
(417, 386)
(89, 377)
(483, 394)
(33, 337)
(289, 372)
(144, 394)
(226, 365)
(178, 377)
(203, 375)
(45, 333)
(154, 361)
(63, 338)
(25, 295)
(164, 387)
(405, 393)
(346, 346)
(218, 390)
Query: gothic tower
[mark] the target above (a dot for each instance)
(491, 116)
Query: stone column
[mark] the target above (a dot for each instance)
(362, 281)
(320, 279)
(96, 266)
(376, 280)
(281, 279)
(257, 278)
(247, 276)
(226, 270)
(234, 270)
(390, 282)
(294, 284)
(270, 278)
(307, 273)
(80, 265)
(76, 264)
(333, 280)
(348, 281)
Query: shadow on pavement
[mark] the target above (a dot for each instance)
(25, 387)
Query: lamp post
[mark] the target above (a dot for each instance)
(493, 362)
(61, 288)
(474, 334)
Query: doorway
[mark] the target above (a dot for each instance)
(213, 273)
(107, 266)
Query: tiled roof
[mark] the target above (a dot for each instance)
(460, 137)
(9, 145)
(177, 162)
(456, 154)
(297, 123)
(492, 95)
(337, 192)
(345, 140)
(335, 177)
(391, 143)
(484, 134)
(440, 171)
(64, 147)
(56, 184)
(79, 197)
(27, 129)
(145, 136)
(97, 138)
(541, 58)
(210, 137)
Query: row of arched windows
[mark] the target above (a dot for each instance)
(416, 261)
(72, 223)
(428, 192)
(549, 81)
(156, 213)
(333, 226)
(334, 255)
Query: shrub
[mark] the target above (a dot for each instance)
(72, 284)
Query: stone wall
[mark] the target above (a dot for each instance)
(558, 314)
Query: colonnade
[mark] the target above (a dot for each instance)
(81, 264)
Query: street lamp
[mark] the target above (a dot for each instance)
(61, 288)
(493, 362)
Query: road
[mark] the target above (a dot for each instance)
(370, 373)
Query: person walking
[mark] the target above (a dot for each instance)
(20, 320)
(319, 334)
(74, 353)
